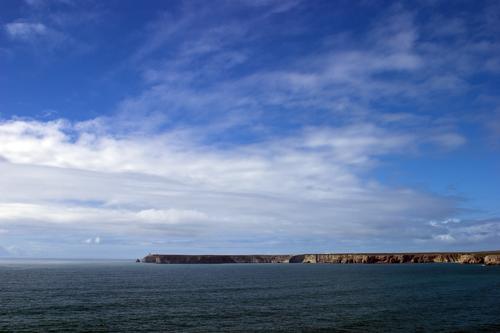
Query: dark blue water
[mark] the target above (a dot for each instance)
(123, 296)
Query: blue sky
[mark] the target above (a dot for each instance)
(248, 127)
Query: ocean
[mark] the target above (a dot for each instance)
(123, 296)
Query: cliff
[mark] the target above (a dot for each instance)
(215, 259)
(487, 258)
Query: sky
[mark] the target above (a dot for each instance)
(248, 126)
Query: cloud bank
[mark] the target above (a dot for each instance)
(304, 192)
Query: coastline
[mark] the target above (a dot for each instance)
(483, 257)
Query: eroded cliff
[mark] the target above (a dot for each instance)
(487, 258)
(215, 259)
(400, 258)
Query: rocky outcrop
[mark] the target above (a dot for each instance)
(303, 258)
(215, 259)
(471, 259)
(488, 258)
(492, 259)
(398, 258)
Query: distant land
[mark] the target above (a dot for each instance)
(486, 258)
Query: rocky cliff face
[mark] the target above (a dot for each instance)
(215, 259)
(491, 258)
(462, 258)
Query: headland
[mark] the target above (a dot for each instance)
(486, 258)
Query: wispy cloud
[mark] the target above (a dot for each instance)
(50, 26)
(42, 37)
(347, 76)
(26, 30)
(180, 188)
(355, 76)
(252, 125)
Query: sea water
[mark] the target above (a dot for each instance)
(117, 296)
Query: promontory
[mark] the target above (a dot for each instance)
(485, 258)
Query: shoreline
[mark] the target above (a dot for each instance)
(482, 257)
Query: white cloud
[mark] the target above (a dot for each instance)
(170, 216)
(448, 140)
(95, 240)
(48, 35)
(122, 179)
(347, 75)
(311, 154)
(396, 61)
(445, 238)
(26, 30)
(73, 179)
